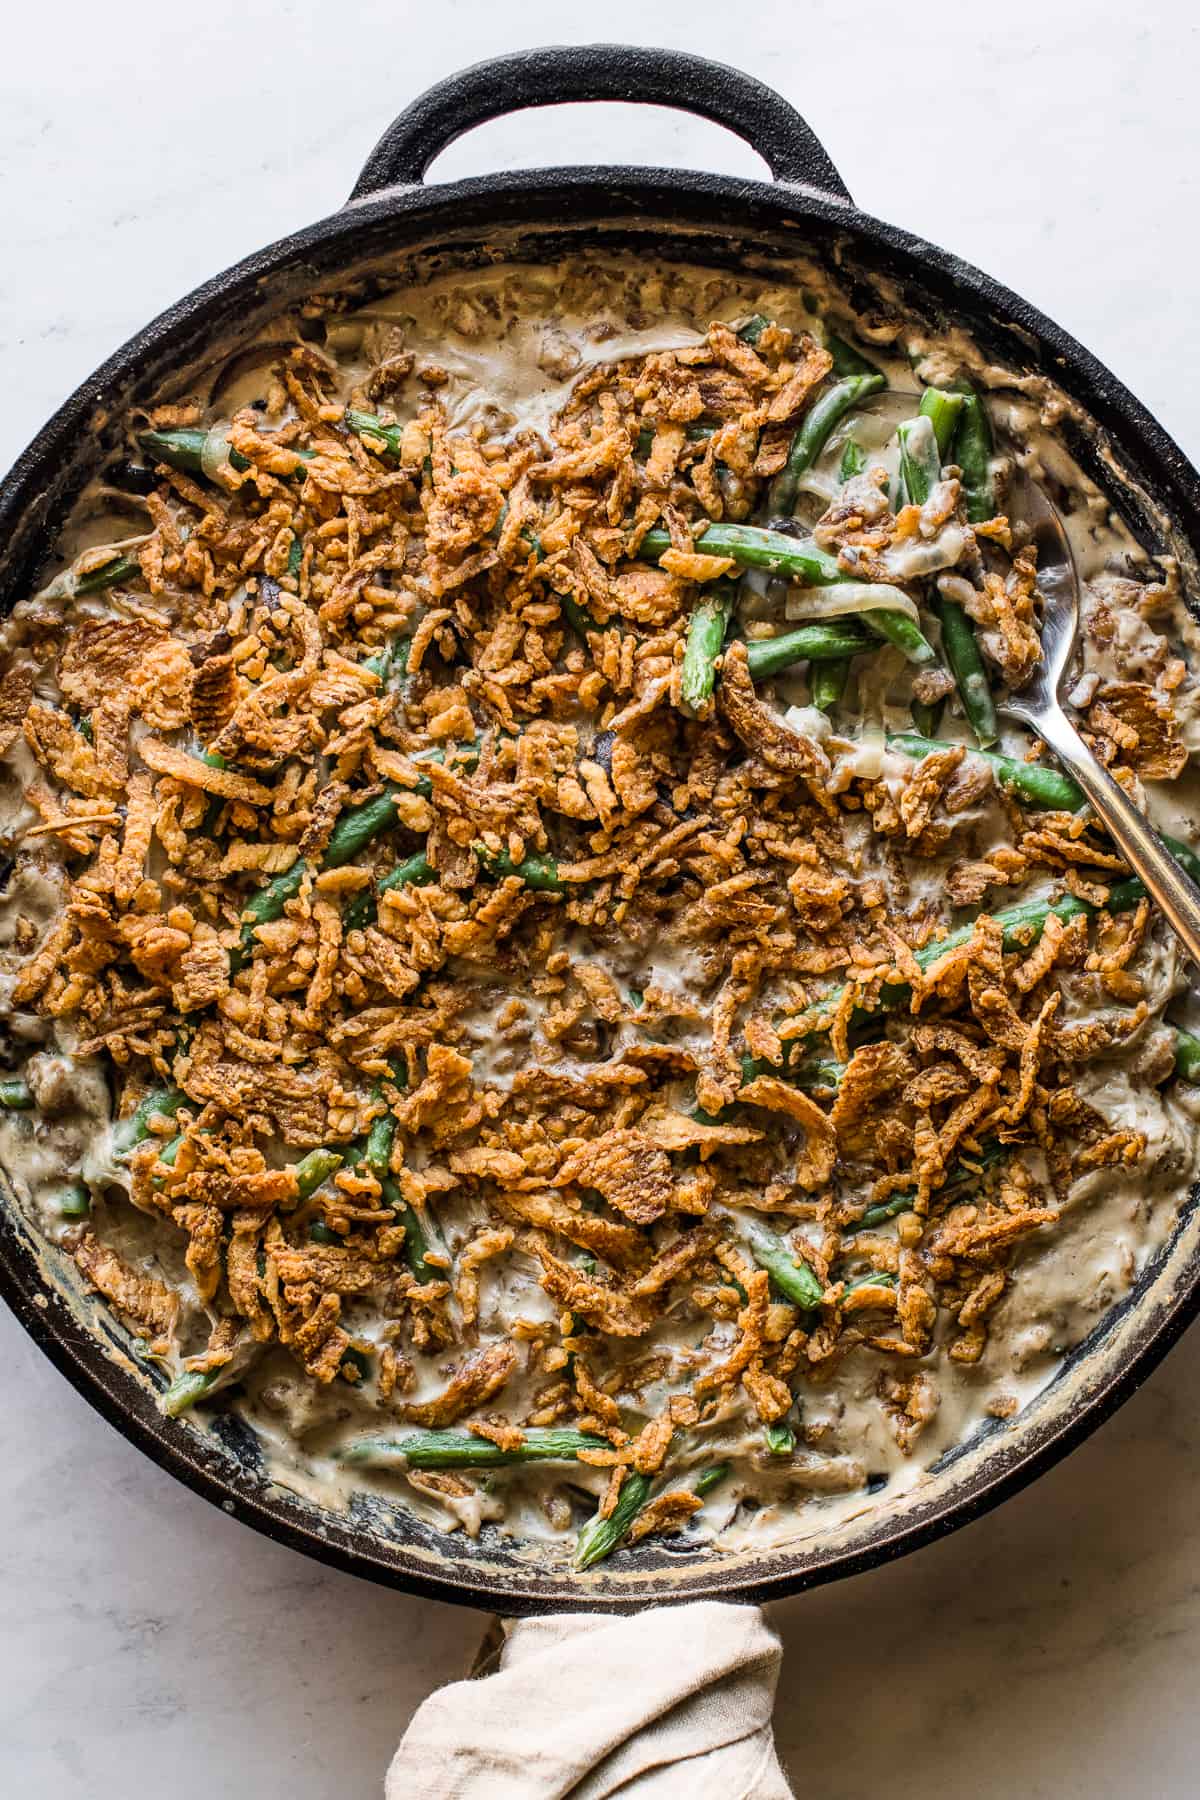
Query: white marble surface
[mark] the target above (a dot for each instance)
(147, 1643)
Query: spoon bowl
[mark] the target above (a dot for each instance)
(1058, 584)
(1037, 705)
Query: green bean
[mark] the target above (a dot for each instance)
(356, 1364)
(320, 1233)
(854, 461)
(179, 449)
(186, 1389)
(530, 536)
(417, 1241)
(961, 650)
(814, 434)
(828, 682)
(414, 871)
(74, 1201)
(921, 455)
(920, 464)
(972, 451)
(876, 1279)
(752, 546)
(887, 1209)
(904, 633)
(806, 1072)
(295, 557)
(964, 1173)
(1187, 1055)
(377, 1156)
(357, 825)
(1022, 925)
(816, 1072)
(926, 715)
(600, 1537)
(1041, 783)
(710, 1478)
(846, 359)
(705, 638)
(161, 1103)
(577, 617)
(753, 328)
(393, 657)
(780, 1439)
(463, 1450)
(353, 831)
(466, 756)
(167, 1154)
(697, 433)
(803, 1072)
(791, 1274)
(392, 438)
(15, 1095)
(539, 872)
(576, 1325)
(829, 644)
(364, 424)
(315, 1169)
(267, 904)
(941, 409)
(194, 450)
(109, 574)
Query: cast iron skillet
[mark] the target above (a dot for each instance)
(703, 219)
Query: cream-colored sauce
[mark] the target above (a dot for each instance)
(507, 369)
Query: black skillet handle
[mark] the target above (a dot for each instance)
(571, 72)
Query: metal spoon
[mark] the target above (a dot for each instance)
(1037, 705)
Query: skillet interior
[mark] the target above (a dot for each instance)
(713, 222)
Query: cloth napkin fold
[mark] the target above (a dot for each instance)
(671, 1702)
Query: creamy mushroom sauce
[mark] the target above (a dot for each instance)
(511, 351)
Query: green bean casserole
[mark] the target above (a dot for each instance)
(535, 973)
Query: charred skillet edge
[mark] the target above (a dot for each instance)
(590, 72)
(653, 211)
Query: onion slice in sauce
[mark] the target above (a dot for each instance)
(848, 597)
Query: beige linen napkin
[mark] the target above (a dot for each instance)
(671, 1702)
